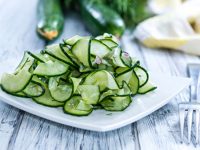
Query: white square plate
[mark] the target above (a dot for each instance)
(101, 120)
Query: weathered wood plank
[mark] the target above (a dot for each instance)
(162, 127)
(37, 133)
(9, 117)
(17, 34)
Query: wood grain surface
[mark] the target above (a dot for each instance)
(22, 131)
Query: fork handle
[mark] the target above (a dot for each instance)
(194, 89)
(193, 72)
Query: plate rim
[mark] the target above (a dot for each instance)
(87, 126)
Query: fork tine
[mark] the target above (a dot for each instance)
(197, 126)
(189, 124)
(182, 120)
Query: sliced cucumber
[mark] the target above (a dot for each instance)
(147, 88)
(56, 52)
(121, 70)
(123, 91)
(115, 57)
(38, 57)
(99, 49)
(116, 103)
(81, 74)
(124, 76)
(125, 57)
(45, 69)
(75, 74)
(34, 89)
(135, 62)
(59, 92)
(84, 69)
(71, 41)
(101, 78)
(26, 61)
(130, 77)
(82, 51)
(108, 37)
(134, 83)
(46, 99)
(13, 83)
(75, 82)
(18, 94)
(76, 106)
(107, 94)
(142, 75)
(111, 82)
(69, 54)
(89, 93)
(110, 43)
(65, 77)
(42, 57)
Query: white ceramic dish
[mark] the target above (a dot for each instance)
(101, 120)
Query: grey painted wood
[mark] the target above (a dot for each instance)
(164, 123)
(17, 25)
(23, 131)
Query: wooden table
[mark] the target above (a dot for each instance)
(22, 131)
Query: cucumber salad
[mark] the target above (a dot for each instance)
(81, 74)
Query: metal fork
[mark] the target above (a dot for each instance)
(193, 105)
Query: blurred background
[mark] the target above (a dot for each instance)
(172, 24)
(99, 16)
